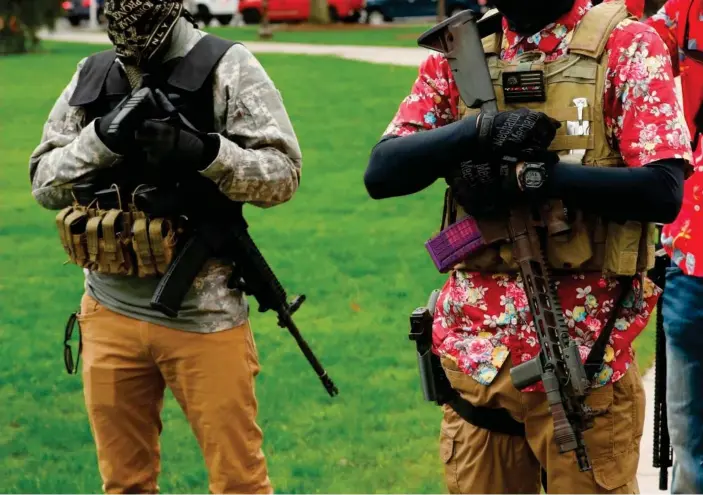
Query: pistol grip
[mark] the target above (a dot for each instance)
(525, 374)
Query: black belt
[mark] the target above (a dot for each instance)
(496, 420)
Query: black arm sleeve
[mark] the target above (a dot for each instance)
(652, 193)
(405, 165)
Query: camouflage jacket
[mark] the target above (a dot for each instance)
(259, 162)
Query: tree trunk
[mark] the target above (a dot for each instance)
(319, 12)
(20, 20)
(265, 32)
(12, 37)
(441, 10)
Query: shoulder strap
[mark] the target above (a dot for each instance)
(492, 44)
(92, 78)
(194, 69)
(595, 28)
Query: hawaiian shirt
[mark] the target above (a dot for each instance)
(683, 239)
(483, 318)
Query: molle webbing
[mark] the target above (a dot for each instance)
(593, 244)
(117, 242)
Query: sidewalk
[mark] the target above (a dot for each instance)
(372, 54)
(647, 476)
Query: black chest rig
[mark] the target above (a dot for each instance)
(187, 81)
(109, 229)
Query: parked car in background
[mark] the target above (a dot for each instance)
(299, 10)
(205, 11)
(79, 10)
(380, 11)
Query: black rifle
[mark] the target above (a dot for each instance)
(219, 230)
(558, 364)
(662, 454)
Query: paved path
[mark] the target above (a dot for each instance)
(373, 54)
(648, 476)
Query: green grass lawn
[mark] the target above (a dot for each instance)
(360, 262)
(341, 35)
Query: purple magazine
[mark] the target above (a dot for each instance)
(455, 243)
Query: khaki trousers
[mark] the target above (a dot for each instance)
(479, 461)
(126, 366)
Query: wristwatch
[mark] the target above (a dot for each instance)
(532, 177)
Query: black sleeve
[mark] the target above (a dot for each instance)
(405, 165)
(652, 193)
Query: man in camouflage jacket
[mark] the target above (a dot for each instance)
(207, 355)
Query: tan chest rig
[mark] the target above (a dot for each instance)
(592, 244)
(118, 241)
(118, 238)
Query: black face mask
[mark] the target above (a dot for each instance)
(527, 17)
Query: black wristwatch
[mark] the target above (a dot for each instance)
(532, 177)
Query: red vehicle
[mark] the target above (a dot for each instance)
(299, 10)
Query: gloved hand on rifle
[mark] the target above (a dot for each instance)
(490, 185)
(513, 132)
(120, 139)
(175, 148)
(488, 188)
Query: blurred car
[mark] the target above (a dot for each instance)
(205, 11)
(79, 10)
(299, 10)
(380, 11)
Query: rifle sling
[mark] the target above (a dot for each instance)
(594, 362)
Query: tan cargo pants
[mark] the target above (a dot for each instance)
(126, 366)
(479, 461)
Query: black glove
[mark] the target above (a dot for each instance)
(178, 149)
(513, 132)
(123, 140)
(488, 189)
(476, 186)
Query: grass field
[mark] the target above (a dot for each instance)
(361, 263)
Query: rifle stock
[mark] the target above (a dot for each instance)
(558, 364)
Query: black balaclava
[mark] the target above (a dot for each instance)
(527, 17)
(140, 30)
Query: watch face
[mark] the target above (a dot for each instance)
(533, 179)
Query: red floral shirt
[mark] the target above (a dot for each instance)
(683, 239)
(482, 318)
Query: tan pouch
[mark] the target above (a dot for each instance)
(93, 234)
(599, 235)
(646, 255)
(116, 243)
(554, 217)
(481, 261)
(569, 251)
(506, 254)
(61, 227)
(74, 228)
(146, 267)
(622, 246)
(162, 240)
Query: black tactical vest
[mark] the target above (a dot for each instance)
(187, 81)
